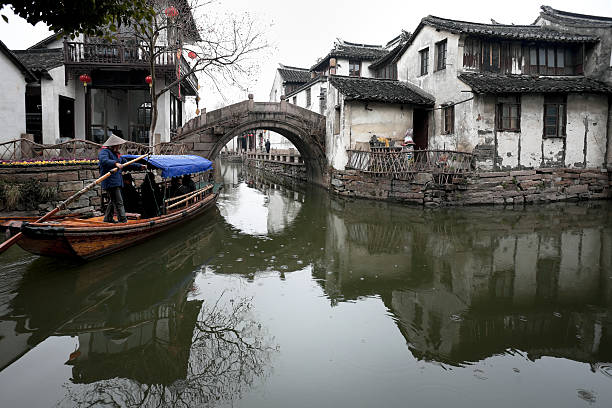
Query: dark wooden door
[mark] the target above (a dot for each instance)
(420, 119)
(66, 117)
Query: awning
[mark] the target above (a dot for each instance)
(175, 165)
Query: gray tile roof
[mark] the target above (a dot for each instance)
(294, 75)
(380, 90)
(495, 83)
(362, 52)
(515, 32)
(41, 60)
(575, 19)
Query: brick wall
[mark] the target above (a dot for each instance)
(509, 187)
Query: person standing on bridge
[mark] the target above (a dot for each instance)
(268, 146)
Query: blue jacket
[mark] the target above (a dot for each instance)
(107, 160)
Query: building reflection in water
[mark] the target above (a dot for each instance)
(462, 288)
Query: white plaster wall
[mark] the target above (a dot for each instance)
(587, 117)
(12, 102)
(444, 86)
(162, 125)
(335, 147)
(527, 148)
(532, 123)
(315, 91)
(381, 119)
(277, 88)
(51, 90)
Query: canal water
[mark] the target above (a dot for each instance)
(285, 296)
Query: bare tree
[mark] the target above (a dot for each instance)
(224, 48)
(229, 350)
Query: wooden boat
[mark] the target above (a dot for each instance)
(89, 238)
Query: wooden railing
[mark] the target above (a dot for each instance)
(120, 53)
(77, 149)
(444, 165)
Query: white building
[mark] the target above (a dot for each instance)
(118, 99)
(15, 76)
(286, 80)
(515, 95)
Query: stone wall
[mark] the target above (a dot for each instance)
(507, 187)
(294, 170)
(67, 180)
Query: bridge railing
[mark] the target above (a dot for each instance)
(288, 156)
(444, 165)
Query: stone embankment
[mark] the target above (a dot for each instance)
(506, 187)
(65, 180)
(287, 163)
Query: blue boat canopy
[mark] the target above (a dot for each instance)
(175, 165)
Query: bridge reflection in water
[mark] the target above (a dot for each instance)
(461, 286)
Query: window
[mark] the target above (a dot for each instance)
(441, 55)
(448, 119)
(549, 60)
(336, 123)
(555, 116)
(509, 113)
(308, 97)
(355, 68)
(424, 57)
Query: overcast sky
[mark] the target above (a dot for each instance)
(303, 31)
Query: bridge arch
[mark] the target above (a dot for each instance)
(208, 133)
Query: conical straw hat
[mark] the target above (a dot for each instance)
(114, 140)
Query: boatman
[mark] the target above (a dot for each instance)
(109, 158)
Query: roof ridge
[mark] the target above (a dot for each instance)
(483, 24)
(294, 68)
(360, 45)
(548, 9)
(42, 50)
(364, 78)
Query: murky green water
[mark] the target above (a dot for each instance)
(286, 297)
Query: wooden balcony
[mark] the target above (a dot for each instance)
(89, 55)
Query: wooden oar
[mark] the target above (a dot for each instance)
(62, 206)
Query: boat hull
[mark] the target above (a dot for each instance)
(86, 242)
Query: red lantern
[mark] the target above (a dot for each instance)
(85, 79)
(171, 12)
(149, 80)
(192, 55)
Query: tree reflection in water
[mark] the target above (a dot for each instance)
(227, 353)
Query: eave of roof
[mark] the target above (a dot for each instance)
(390, 57)
(482, 83)
(517, 32)
(46, 41)
(29, 76)
(41, 60)
(350, 50)
(575, 18)
(380, 90)
(293, 74)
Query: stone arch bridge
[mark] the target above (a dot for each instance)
(208, 133)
